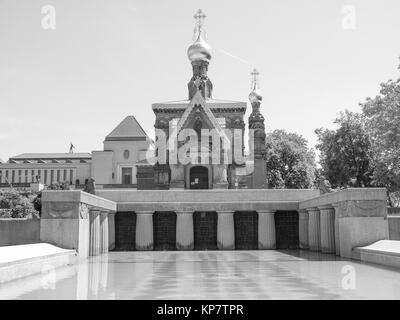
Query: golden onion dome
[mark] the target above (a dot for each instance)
(255, 94)
(199, 50)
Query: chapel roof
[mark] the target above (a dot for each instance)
(211, 103)
(129, 129)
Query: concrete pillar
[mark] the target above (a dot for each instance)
(337, 236)
(303, 229)
(314, 229)
(103, 231)
(94, 242)
(184, 230)
(225, 230)
(266, 229)
(111, 231)
(144, 230)
(327, 217)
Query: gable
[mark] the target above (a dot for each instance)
(128, 129)
(198, 105)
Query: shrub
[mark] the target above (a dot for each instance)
(17, 204)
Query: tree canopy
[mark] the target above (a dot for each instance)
(290, 163)
(383, 121)
(365, 149)
(345, 153)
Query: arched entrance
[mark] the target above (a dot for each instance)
(198, 177)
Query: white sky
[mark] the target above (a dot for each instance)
(109, 59)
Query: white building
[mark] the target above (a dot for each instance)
(115, 166)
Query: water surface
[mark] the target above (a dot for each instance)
(209, 275)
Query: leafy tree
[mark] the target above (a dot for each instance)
(290, 163)
(17, 204)
(383, 122)
(345, 153)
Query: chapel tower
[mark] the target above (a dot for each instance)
(199, 54)
(256, 124)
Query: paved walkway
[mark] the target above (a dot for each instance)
(210, 275)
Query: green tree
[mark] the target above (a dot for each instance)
(345, 153)
(383, 122)
(290, 163)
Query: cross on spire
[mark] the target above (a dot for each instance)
(198, 29)
(254, 75)
(199, 16)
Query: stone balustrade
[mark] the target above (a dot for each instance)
(340, 221)
(331, 223)
(73, 219)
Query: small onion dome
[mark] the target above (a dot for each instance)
(199, 50)
(255, 95)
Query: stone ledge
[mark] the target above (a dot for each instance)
(24, 260)
(354, 194)
(383, 252)
(78, 196)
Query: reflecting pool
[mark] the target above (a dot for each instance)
(209, 275)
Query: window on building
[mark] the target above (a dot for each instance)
(58, 175)
(45, 177)
(12, 176)
(71, 176)
(39, 175)
(51, 176)
(77, 181)
(26, 176)
(126, 176)
(1, 176)
(65, 175)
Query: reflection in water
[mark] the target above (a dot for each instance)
(208, 275)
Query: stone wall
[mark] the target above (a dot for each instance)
(394, 227)
(246, 230)
(19, 231)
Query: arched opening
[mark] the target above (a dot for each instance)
(198, 177)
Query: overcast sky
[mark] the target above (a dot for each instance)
(109, 59)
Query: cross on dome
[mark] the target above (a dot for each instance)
(199, 16)
(254, 75)
(255, 94)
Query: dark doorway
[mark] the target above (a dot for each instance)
(198, 177)
(287, 229)
(205, 230)
(246, 230)
(125, 231)
(164, 229)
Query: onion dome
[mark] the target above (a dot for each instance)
(200, 49)
(255, 94)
